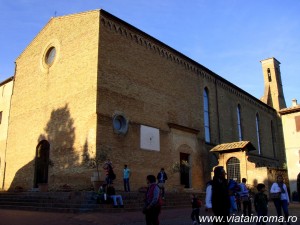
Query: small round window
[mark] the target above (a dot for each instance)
(50, 56)
(120, 124)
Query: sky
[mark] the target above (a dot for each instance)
(229, 37)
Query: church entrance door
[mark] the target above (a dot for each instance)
(184, 170)
(41, 163)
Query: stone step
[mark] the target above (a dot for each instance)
(83, 201)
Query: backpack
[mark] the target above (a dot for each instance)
(112, 175)
(150, 193)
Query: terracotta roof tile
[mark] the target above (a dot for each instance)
(233, 146)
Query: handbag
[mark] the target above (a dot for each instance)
(275, 196)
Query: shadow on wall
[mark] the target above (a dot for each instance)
(59, 157)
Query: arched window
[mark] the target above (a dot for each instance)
(269, 75)
(273, 139)
(258, 133)
(233, 169)
(239, 123)
(206, 115)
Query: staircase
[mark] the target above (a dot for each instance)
(84, 201)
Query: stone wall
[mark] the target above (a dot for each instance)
(6, 88)
(292, 145)
(56, 103)
(103, 66)
(154, 85)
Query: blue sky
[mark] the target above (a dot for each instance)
(229, 37)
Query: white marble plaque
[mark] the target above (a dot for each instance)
(150, 138)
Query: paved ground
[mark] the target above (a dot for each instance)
(167, 217)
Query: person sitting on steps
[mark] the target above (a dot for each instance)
(111, 193)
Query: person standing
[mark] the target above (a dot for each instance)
(196, 204)
(153, 202)
(245, 198)
(261, 203)
(162, 177)
(126, 175)
(109, 173)
(219, 195)
(233, 188)
(208, 194)
(283, 199)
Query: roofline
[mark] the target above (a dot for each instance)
(289, 110)
(102, 11)
(247, 146)
(270, 58)
(48, 23)
(7, 80)
(216, 76)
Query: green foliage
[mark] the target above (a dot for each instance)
(96, 161)
(182, 166)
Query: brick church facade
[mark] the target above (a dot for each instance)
(91, 83)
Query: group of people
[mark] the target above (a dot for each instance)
(110, 176)
(154, 194)
(107, 192)
(219, 197)
(279, 195)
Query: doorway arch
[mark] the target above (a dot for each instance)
(233, 169)
(41, 163)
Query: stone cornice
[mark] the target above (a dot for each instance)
(183, 128)
(139, 37)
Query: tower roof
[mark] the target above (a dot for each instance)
(269, 59)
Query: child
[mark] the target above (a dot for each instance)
(261, 203)
(196, 204)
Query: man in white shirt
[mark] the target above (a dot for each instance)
(208, 195)
(283, 199)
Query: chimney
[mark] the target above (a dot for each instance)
(294, 102)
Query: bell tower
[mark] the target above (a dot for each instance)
(273, 93)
